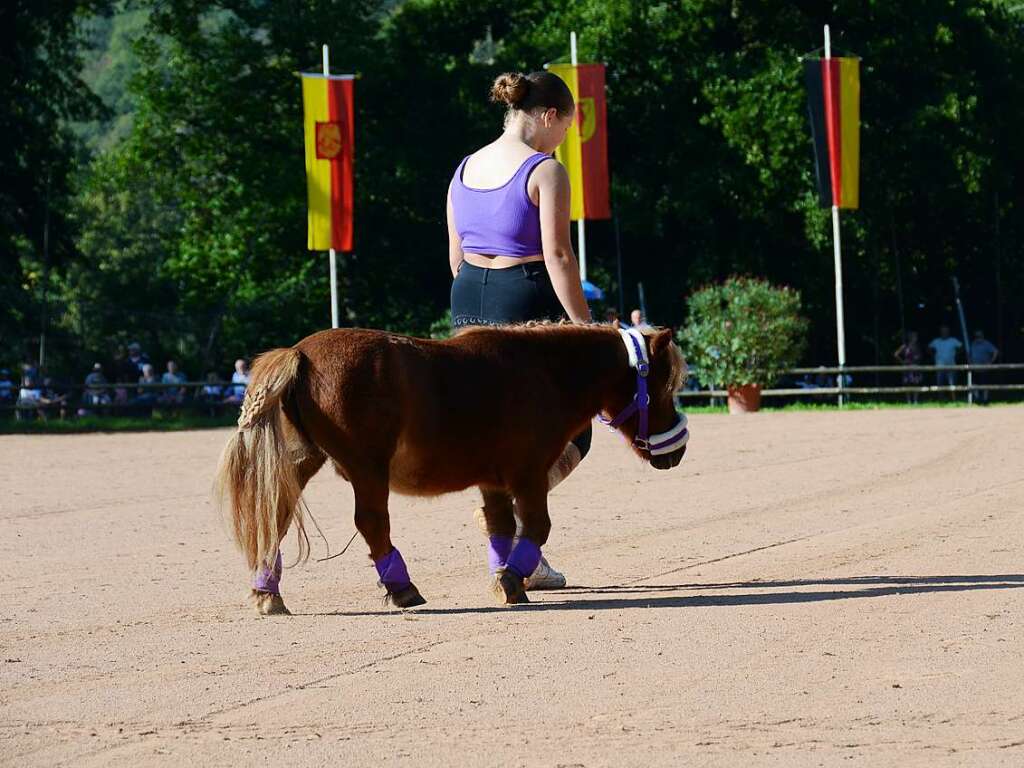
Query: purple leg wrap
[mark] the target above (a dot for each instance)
(498, 551)
(524, 558)
(267, 580)
(392, 571)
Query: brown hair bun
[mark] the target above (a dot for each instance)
(510, 88)
(537, 89)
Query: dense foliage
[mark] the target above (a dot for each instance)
(178, 217)
(743, 331)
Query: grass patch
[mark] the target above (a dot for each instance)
(856, 405)
(156, 423)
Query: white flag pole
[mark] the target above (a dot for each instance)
(581, 231)
(837, 247)
(334, 258)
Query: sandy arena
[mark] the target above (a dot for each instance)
(805, 589)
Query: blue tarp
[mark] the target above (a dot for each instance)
(591, 292)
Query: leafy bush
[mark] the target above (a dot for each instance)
(743, 331)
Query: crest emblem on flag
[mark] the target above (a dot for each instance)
(328, 140)
(587, 117)
(584, 153)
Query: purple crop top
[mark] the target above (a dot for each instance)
(503, 221)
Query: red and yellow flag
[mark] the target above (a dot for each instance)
(584, 153)
(833, 100)
(327, 106)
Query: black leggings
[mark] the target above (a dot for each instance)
(482, 296)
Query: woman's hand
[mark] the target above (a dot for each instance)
(554, 200)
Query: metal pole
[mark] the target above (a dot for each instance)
(46, 281)
(618, 260)
(581, 230)
(838, 252)
(643, 302)
(967, 339)
(334, 258)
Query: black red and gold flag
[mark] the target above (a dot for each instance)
(833, 101)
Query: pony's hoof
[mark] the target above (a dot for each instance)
(508, 588)
(269, 604)
(409, 597)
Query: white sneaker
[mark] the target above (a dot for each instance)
(545, 577)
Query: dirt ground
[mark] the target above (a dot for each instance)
(805, 589)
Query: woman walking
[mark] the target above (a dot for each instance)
(510, 250)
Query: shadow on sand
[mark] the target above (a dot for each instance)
(612, 597)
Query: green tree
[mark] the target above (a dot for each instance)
(41, 90)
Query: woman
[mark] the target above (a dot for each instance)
(909, 354)
(509, 247)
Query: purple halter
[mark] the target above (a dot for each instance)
(664, 442)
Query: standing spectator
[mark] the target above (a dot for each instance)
(239, 381)
(6, 387)
(909, 353)
(137, 357)
(94, 393)
(175, 395)
(636, 317)
(944, 349)
(124, 372)
(982, 352)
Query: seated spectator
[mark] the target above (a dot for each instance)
(30, 400)
(147, 394)
(6, 387)
(53, 396)
(94, 393)
(173, 395)
(611, 317)
(213, 389)
(239, 381)
(212, 393)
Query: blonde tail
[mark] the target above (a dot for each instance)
(257, 478)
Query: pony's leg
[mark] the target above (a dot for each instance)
(266, 583)
(532, 511)
(374, 523)
(499, 523)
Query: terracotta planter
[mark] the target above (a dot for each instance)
(746, 399)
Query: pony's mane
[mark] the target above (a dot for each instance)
(677, 364)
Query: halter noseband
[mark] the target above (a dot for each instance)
(663, 442)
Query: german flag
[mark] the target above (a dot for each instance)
(584, 153)
(327, 105)
(833, 101)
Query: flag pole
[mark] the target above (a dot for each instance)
(581, 231)
(837, 247)
(334, 257)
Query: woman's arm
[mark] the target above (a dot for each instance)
(559, 258)
(454, 241)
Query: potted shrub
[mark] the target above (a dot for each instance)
(742, 334)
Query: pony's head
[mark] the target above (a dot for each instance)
(644, 408)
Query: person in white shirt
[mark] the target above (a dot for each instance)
(944, 349)
(239, 381)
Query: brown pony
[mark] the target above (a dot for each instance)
(492, 407)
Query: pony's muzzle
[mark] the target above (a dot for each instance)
(668, 460)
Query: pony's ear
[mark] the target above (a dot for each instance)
(661, 341)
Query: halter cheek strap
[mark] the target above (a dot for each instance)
(662, 442)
